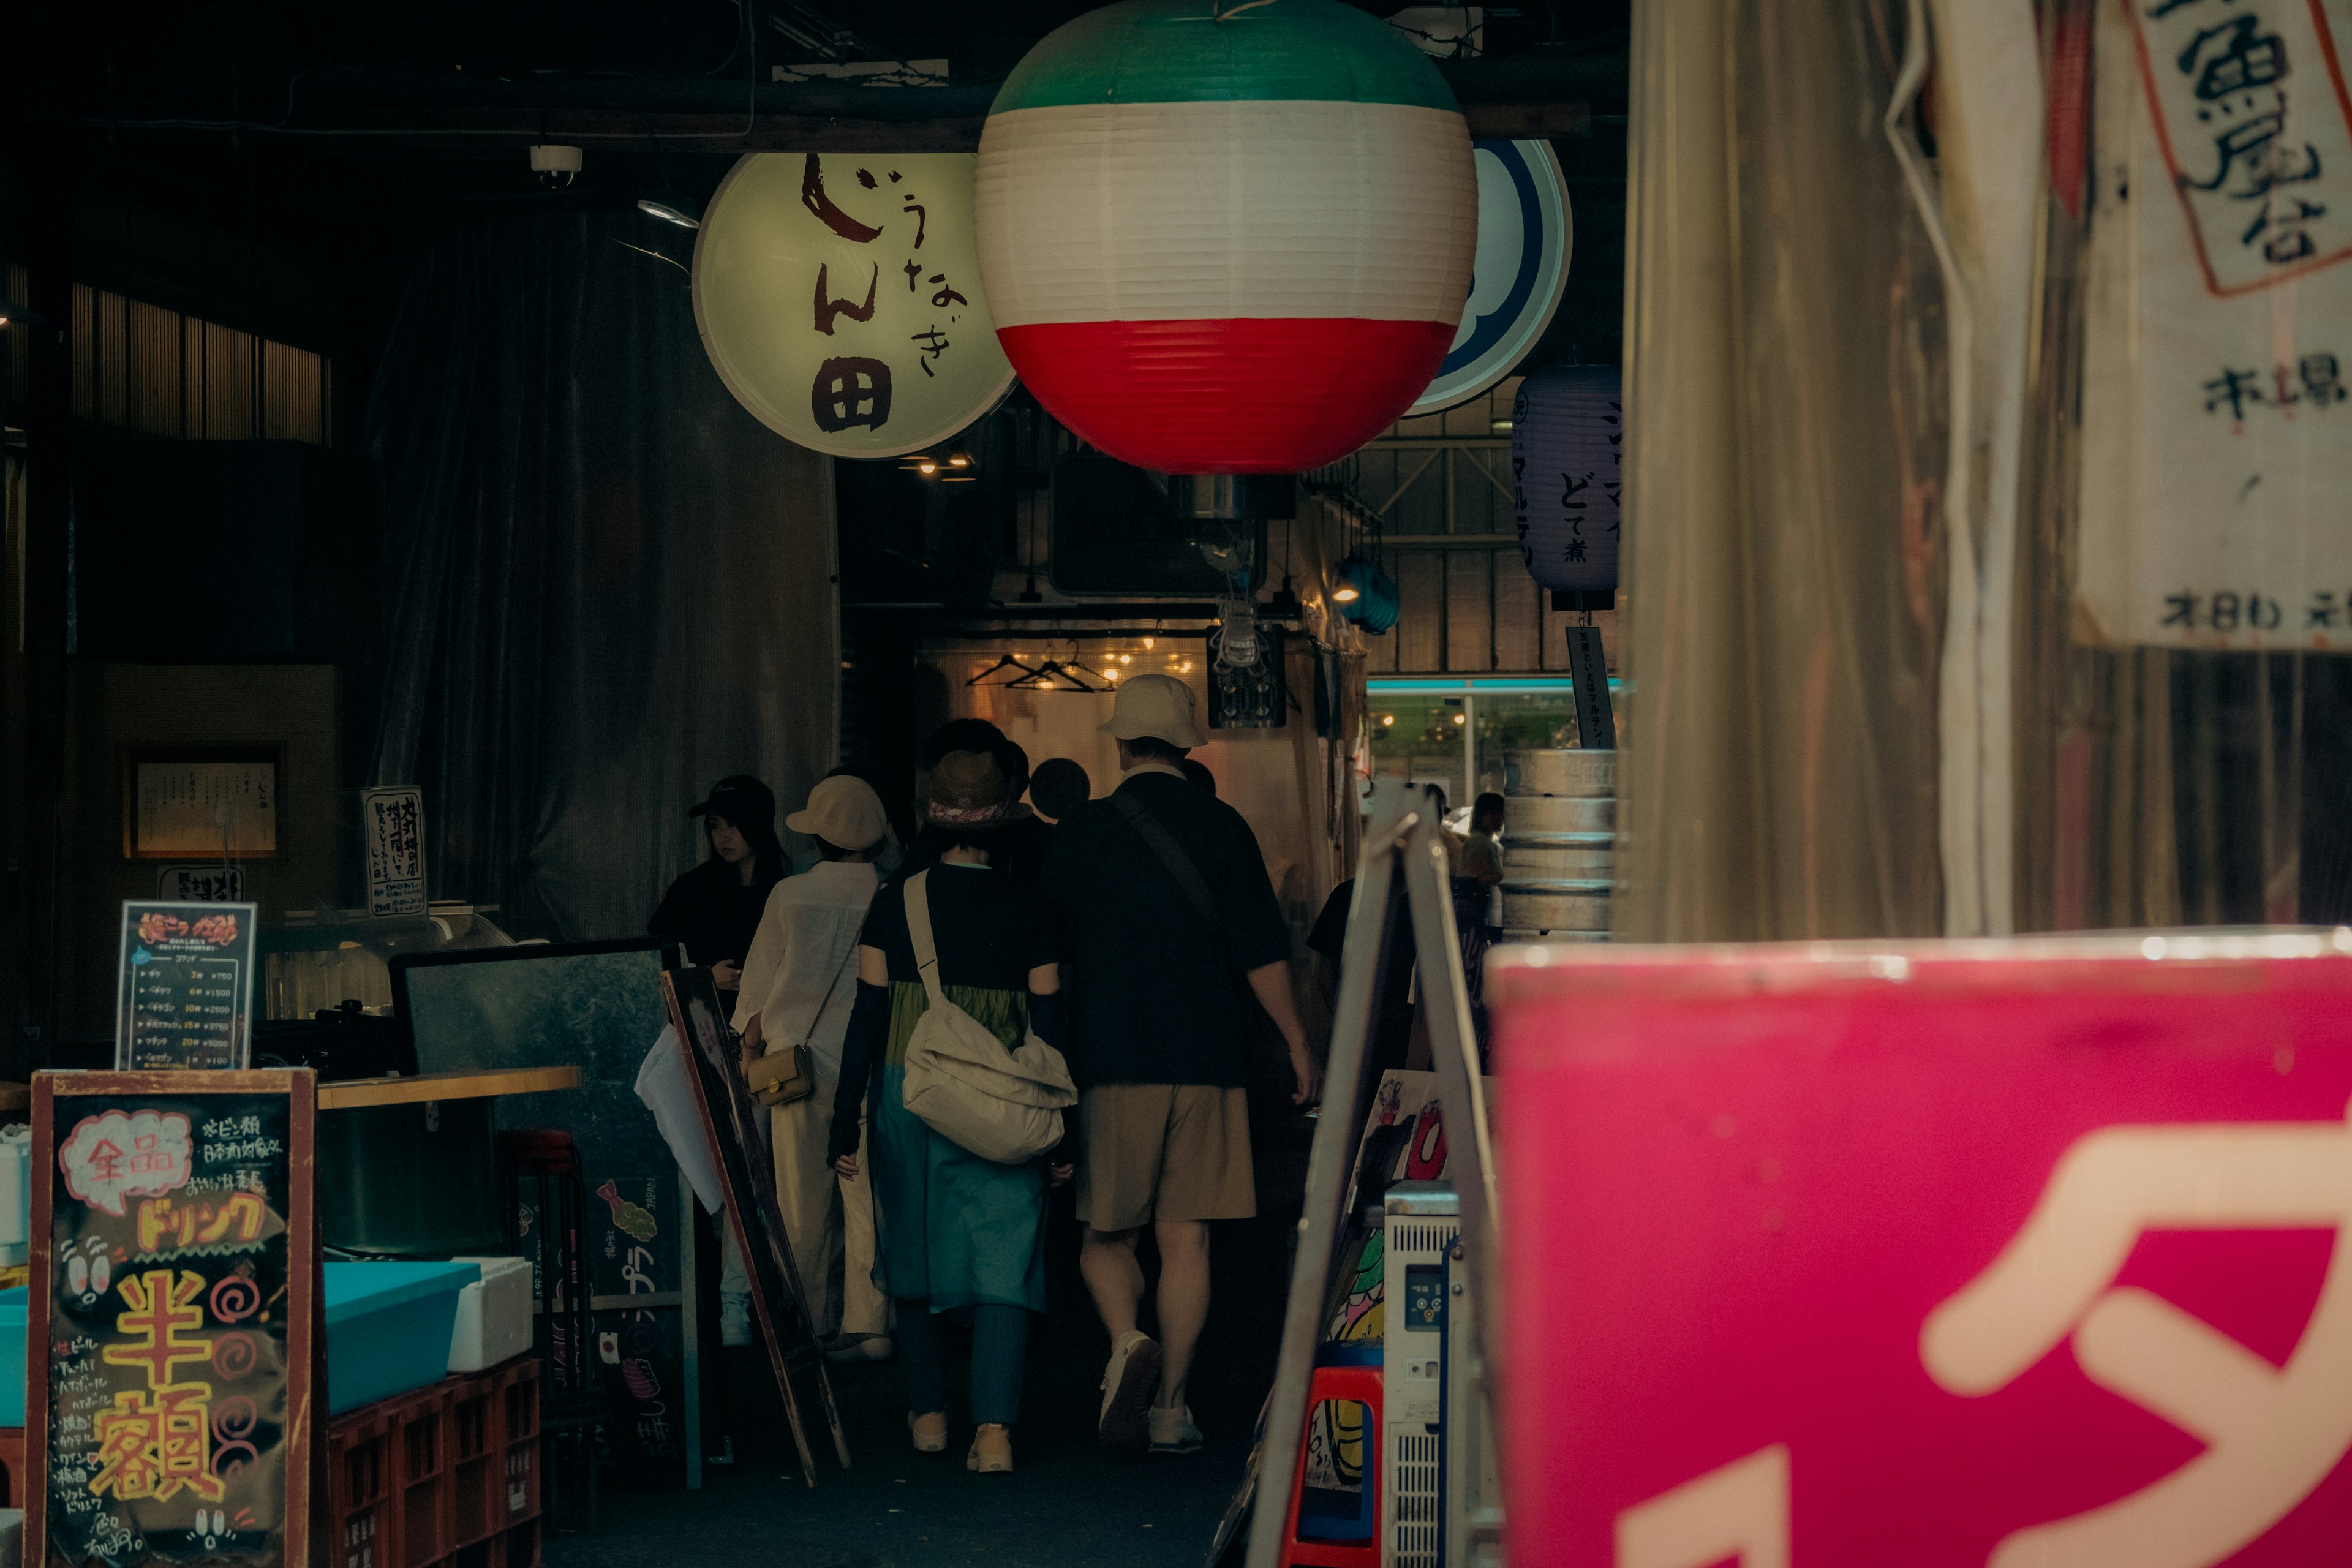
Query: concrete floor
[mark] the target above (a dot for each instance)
(1067, 1504)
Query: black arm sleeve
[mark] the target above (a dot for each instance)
(1049, 1020)
(861, 1060)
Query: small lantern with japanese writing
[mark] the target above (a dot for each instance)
(1568, 439)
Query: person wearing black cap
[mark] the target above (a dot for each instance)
(713, 912)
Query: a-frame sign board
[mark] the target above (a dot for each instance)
(730, 1122)
(1403, 840)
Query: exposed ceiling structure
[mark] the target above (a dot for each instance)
(193, 140)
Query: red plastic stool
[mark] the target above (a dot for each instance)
(1363, 1385)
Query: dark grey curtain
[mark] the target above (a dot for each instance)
(607, 584)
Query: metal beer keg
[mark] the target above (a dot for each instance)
(1558, 850)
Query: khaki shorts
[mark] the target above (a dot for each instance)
(1160, 1151)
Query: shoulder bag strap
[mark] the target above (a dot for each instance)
(919, 931)
(809, 1035)
(1155, 835)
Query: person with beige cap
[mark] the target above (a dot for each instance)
(1174, 942)
(799, 983)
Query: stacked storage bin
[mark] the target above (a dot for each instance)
(1558, 844)
(446, 1475)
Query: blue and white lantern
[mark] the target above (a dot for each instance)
(1567, 443)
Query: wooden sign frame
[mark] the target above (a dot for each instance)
(729, 1121)
(304, 1319)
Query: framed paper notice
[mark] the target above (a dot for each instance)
(202, 803)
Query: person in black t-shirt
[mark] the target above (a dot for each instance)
(714, 909)
(1392, 1041)
(1169, 923)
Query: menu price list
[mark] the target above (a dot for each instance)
(185, 986)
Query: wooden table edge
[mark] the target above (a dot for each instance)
(353, 1095)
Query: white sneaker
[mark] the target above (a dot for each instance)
(1173, 1431)
(734, 1319)
(1129, 1383)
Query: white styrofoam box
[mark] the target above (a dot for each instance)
(15, 1195)
(493, 1315)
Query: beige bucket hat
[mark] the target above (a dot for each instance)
(1158, 706)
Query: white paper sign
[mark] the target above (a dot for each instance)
(213, 884)
(2216, 408)
(392, 823)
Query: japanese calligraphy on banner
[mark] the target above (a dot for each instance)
(171, 1320)
(393, 823)
(838, 297)
(2216, 426)
(183, 987)
(2028, 1255)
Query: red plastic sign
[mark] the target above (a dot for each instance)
(2023, 1255)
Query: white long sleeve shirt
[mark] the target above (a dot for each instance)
(807, 946)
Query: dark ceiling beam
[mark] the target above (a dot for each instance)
(1535, 96)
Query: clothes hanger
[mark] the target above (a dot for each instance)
(1040, 678)
(1003, 659)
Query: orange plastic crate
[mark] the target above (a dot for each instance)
(358, 1508)
(519, 1435)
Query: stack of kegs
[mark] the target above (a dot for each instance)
(1558, 829)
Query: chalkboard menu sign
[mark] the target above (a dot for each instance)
(183, 990)
(172, 1320)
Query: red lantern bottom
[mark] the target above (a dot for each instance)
(1233, 396)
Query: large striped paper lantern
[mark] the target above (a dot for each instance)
(1568, 445)
(1226, 235)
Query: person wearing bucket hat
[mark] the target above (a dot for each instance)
(1175, 944)
(799, 986)
(957, 1230)
(714, 909)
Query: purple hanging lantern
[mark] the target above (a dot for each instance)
(1568, 436)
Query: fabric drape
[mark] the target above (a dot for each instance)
(607, 584)
(1783, 575)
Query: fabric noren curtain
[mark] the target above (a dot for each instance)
(607, 584)
(1784, 567)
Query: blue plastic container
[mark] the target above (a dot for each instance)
(12, 1305)
(388, 1328)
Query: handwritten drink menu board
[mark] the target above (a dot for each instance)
(171, 1320)
(184, 987)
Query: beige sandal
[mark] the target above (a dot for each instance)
(991, 1451)
(930, 1432)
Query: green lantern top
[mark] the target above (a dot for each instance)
(1223, 51)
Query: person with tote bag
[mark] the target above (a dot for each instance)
(961, 1231)
(798, 981)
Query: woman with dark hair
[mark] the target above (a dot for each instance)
(713, 912)
(959, 1232)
